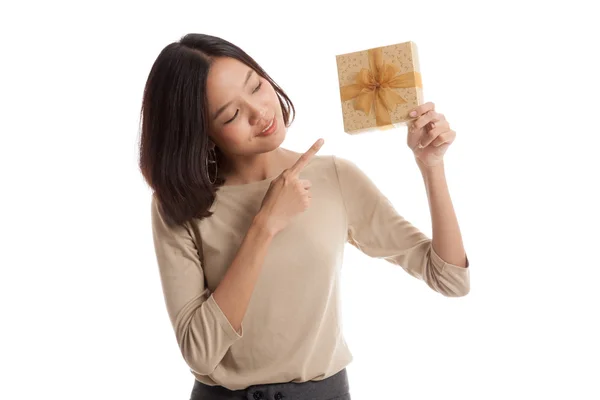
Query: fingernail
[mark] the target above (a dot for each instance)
(413, 113)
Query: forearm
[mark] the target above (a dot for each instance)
(447, 240)
(235, 289)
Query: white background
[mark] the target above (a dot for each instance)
(82, 308)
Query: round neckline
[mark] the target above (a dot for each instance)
(256, 183)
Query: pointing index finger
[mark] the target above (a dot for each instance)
(306, 157)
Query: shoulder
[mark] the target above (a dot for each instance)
(161, 220)
(344, 166)
(339, 166)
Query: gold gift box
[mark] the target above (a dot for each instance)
(379, 87)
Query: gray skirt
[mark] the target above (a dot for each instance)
(336, 387)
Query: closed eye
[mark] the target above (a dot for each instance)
(236, 112)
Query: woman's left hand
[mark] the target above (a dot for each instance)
(432, 131)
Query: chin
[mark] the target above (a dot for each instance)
(278, 141)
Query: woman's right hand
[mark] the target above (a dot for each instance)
(288, 195)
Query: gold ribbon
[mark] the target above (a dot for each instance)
(373, 87)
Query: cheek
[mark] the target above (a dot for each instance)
(273, 94)
(234, 135)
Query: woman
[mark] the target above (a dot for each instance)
(249, 236)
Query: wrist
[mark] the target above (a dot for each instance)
(429, 168)
(261, 224)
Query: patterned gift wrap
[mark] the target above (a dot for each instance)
(379, 87)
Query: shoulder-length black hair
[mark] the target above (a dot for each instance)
(174, 142)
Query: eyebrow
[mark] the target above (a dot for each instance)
(220, 110)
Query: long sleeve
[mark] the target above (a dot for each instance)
(376, 229)
(202, 330)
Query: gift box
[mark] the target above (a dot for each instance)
(379, 87)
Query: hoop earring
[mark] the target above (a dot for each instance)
(211, 162)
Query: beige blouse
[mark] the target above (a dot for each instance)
(292, 330)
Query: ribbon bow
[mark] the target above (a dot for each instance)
(373, 87)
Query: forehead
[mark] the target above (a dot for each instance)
(226, 76)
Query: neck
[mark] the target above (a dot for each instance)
(253, 168)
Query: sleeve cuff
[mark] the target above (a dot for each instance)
(437, 260)
(223, 321)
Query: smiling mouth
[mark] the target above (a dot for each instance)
(269, 129)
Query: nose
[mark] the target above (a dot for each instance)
(259, 115)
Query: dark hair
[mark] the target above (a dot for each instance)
(174, 143)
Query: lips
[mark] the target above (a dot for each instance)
(272, 123)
